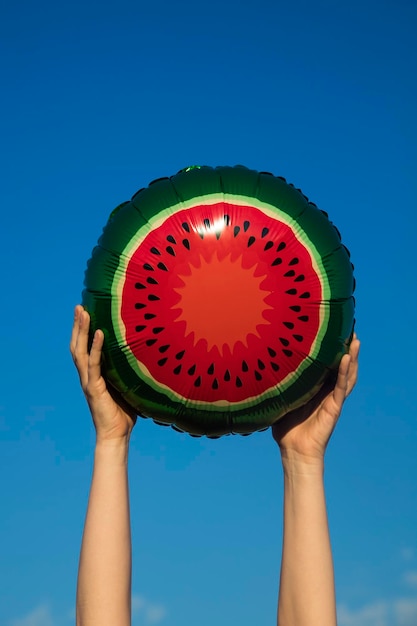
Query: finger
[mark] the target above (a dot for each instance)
(94, 360)
(354, 348)
(340, 390)
(81, 347)
(75, 328)
(353, 368)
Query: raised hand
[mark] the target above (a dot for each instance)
(111, 419)
(104, 576)
(307, 590)
(304, 433)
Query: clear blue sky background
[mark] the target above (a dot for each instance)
(98, 99)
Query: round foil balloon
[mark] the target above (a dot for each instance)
(225, 297)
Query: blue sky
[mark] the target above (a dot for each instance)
(97, 100)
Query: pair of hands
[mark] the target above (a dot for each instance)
(301, 435)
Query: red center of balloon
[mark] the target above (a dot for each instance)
(222, 302)
(216, 302)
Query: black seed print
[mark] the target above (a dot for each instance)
(291, 292)
(206, 222)
(150, 342)
(289, 325)
(274, 366)
(197, 382)
(295, 308)
(299, 278)
(236, 231)
(185, 227)
(277, 261)
(164, 348)
(281, 246)
(289, 273)
(170, 250)
(251, 240)
(306, 294)
(226, 219)
(163, 361)
(294, 261)
(139, 328)
(258, 376)
(245, 367)
(226, 376)
(153, 298)
(186, 243)
(171, 239)
(287, 352)
(177, 369)
(246, 225)
(151, 280)
(298, 337)
(272, 352)
(265, 231)
(162, 266)
(211, 369)
(179, 355)
(261, 365)
(149, 316)
(215, 384)
(148, 267)
(139, 305)
(140, 286)
(155, 251)
(268, 245)
(157, 330)
(238, 382)
(192, 369)
(303, 318)
(284, 341)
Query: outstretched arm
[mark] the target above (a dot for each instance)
(307, 590)
(104, 576)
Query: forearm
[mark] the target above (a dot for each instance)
(104, 577)
(307, 595)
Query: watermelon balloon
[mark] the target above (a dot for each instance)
(225, 297)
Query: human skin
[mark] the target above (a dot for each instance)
(306, 596)
(104, 576)
(307, 588)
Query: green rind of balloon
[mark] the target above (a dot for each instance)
(294, 204)
(119, 229)
(158, 219)
(235, 181)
